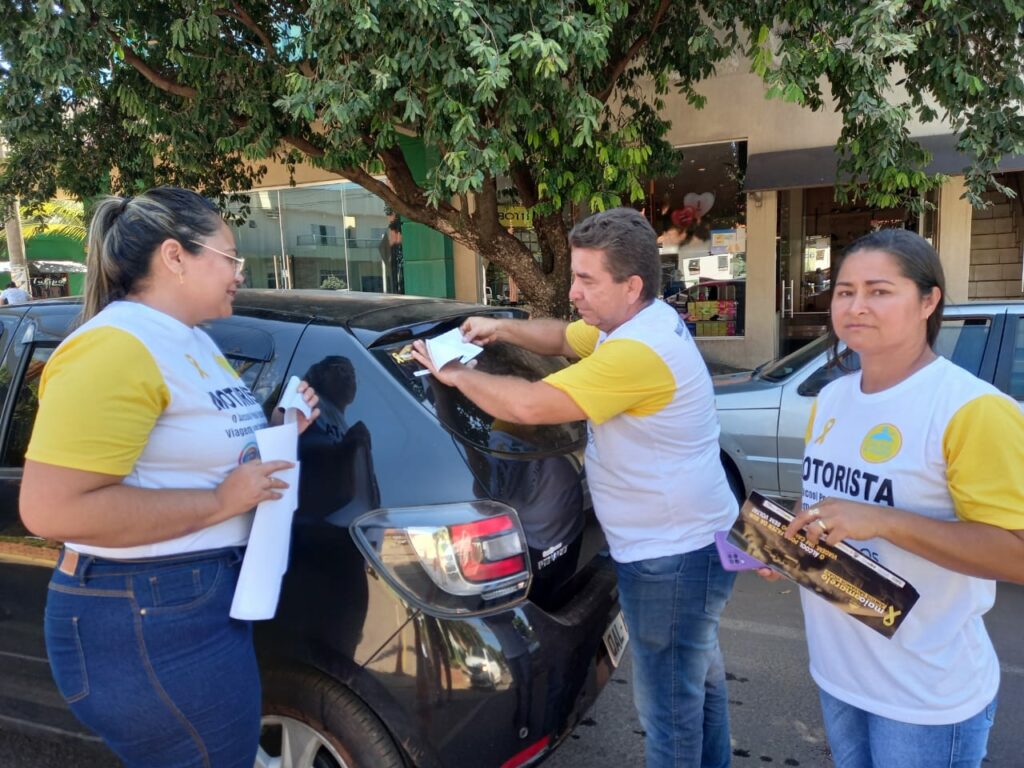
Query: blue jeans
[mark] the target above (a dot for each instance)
(146, 656)
(859, 739)
(672, 607)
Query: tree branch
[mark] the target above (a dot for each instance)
(160, 81)
(614, 71)
(397, 170)
(523, 180)
(486, 214)
(419, 212)
(303, 145)
(240, 15)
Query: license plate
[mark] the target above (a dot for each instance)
(616, 637)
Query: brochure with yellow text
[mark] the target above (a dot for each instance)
(838, 573)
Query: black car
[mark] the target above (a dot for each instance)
(416, 626)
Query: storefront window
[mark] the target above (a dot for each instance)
(327, 236)
(700, 217)
(813, 230)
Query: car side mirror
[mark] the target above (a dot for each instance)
(830, 371)
(28, 336)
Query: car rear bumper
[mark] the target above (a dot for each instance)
(483, 690)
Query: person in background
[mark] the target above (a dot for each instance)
(916, 463)
(396, 262)
(12, 294)
(653, 469)
(143, 460)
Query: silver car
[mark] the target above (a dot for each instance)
(764, 412)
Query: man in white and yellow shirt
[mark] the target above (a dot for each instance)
(653, 467)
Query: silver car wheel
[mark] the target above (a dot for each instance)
(300, 745)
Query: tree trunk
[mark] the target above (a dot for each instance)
(553, 237)
(547, 294)
(16, 249)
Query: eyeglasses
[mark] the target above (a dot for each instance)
(239, 261)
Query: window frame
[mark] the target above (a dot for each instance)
(994, 340)
(1014, 320)
(27, 353)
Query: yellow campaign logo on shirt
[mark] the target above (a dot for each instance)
(881, 443)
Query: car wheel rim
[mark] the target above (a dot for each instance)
(289, 743)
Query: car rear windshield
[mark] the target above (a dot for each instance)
(471, 424)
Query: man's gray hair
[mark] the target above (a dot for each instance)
(629, 244)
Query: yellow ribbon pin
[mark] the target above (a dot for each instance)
(824, 431)
(202, 374)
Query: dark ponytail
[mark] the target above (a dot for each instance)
(125, 232)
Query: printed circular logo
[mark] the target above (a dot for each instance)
(881, 443)
(249, 453)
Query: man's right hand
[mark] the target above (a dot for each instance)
(481, 330)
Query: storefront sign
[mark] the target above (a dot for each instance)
(515, 216)
(729, 240)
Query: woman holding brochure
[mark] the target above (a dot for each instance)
(143, 460)
(916, 463)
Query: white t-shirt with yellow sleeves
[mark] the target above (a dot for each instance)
(136, 393)
(945, 445)
(652, 455)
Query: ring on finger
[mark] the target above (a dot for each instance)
(821, 524)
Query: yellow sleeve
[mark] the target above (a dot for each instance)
(582, 338)
(622, 376)
(984, 449)
(99, 397)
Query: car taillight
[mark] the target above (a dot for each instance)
(450, 559)
(489, 549)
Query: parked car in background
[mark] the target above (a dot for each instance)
(764, 412)
(411, 630)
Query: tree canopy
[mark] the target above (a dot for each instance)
(558, 102)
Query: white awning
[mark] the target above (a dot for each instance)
(45, 267)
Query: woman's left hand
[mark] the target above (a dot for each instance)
(311, 398)
(831, 520)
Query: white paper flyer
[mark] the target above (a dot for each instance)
(266, 557)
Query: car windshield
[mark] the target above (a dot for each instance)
(784, 367)
(461, 417)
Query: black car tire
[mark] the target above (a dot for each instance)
(342, 722)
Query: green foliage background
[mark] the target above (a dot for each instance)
(555, 103)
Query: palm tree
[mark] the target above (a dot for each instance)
(59, 217)
(56, 217)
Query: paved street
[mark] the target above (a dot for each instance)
(775, 715)
(775, 719)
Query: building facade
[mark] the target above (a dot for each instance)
(748, 226)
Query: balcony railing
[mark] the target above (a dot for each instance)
(334, 240)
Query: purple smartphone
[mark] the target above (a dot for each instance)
(732, 557)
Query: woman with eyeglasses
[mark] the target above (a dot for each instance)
(143, 460)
